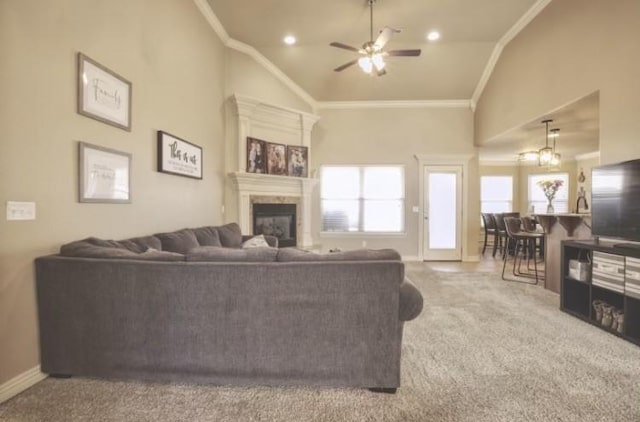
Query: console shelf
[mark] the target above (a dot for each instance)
(608, 281)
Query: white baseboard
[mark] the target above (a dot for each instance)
(411, 258)
(20, 383)
(471, 258)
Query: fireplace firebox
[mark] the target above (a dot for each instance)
(279, 220)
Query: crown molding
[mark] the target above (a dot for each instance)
(229, 42)
(499, 163)
(213, 20)
(345, 105)
(502, 42)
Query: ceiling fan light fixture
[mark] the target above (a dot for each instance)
(378, 61)
(289, 40)
(366, 64)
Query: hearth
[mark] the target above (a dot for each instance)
(279, 220)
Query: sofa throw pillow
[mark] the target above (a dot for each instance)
(293, 254)
(180, 241)
(230, 235)
(207, 236)
(256, 242)
(222, 254)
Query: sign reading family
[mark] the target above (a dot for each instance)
(103, 94)
(179, 157)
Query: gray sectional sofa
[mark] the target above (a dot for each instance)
(165, 308)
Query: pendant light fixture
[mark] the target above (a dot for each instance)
(545, 155)
(556, 159)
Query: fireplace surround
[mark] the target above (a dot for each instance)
(279, 220)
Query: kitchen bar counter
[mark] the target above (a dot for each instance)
(558, 227)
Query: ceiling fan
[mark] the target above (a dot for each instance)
(372, 51)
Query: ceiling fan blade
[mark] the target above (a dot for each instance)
(384, 37)
(344, 46)
(346, 65)
(406, 53)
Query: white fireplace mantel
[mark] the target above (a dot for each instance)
(272, 123)
(247, 185)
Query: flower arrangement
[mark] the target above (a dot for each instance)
(550, 187)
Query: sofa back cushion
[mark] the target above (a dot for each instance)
(110, 249)
(141, 244)
(293, 254)
(230, 235)
(222, 254)
(207, 236)
(180, 241)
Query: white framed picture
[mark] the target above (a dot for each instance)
(104, 175)
(103, 94)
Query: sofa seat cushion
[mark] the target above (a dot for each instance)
(207, 236)
(230, 235)
(110, 249)
(219, 254)
(294, 254)
(181, 241)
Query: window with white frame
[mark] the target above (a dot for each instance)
(537, 199)
(496, 194)
(362, 198)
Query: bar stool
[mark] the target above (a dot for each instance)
(489, 229)
(501, 233)
(500, 236)
(529, 225)
(521, 241)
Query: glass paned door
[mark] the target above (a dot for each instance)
(443, 214)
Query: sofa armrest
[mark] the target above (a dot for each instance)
(411, 301)
(271, 240)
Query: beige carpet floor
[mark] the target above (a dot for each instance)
(482, 350)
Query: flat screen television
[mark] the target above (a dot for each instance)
(615, 199)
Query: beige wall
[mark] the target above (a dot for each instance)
(395, 136)
(584, 165)
(176, 64)
(245, 76)
(573, 48)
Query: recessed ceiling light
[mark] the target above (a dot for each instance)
(289, 40)
(433, 36)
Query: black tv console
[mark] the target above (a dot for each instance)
(611, 279)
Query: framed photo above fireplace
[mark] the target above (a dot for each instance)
(277, 159)
(297, 159)
(256, 154)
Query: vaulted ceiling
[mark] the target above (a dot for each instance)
(455, 67)
(450, 68)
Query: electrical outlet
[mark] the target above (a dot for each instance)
(415, 209)
(364, 243)
(21, 210)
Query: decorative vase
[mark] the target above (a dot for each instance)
(549, 207)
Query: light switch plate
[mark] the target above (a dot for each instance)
(21, 210)
(415, 209)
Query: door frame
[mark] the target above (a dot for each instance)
(444, 160)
